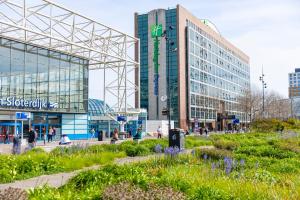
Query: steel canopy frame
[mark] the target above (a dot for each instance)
(49, 25)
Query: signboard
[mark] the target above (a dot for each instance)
(156, 84)
(236, 121)
(22, 115)
(156, 30)
(23, 103)
(156, 33)
(121, 118)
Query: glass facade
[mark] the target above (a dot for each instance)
(142, 22)
(216, 76)
(294, 83)
(29, 72)
(171, 20)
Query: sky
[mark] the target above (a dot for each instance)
(267, 31)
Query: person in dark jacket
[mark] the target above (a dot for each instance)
(31, 138)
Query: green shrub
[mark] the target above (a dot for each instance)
(214, 154)
(196, 141)
(136, 150)
(210, 193)
(226, 144)
(265, 151)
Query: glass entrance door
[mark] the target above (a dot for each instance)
(40, 129)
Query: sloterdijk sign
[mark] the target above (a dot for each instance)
(23, 103)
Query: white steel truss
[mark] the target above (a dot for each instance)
(47, 24)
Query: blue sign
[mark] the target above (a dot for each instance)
(236, 121)
(22, 115)
(23, 103)
(156, 76)
(140, 122)
(121, 119)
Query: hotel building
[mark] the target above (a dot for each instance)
(203, 72)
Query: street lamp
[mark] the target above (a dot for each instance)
(170, 43)
(264, 86)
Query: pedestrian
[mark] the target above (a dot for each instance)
(201, 130)
(54, 132)
(44, 135)
(7, 137)
(35, 137)
(31, 138)
(50, 134)
(130, 132)
(187, 132)
(92, 133)
(16, 145)
(206, 131)
(158, 132)
(115, 136)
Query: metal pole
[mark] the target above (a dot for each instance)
(263, 98)
(168, 88)
(291, 107)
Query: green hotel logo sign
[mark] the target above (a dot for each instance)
(156, 33)
(156, 30)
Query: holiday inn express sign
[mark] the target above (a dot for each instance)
(23, 103)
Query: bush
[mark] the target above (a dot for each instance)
(136, 150)
(226, 144)
(196, 141)
(210, 193)
(265, 151)
(214, 154)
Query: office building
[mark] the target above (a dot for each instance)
(294, 92)
(203, 73)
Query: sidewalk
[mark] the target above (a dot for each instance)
(7, 148)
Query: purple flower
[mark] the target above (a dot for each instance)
(158, 148)
(213, 166)
(205, 156)
(227, 170)
(193, 152)
(242, 161)
(171, 151)
(228, 165)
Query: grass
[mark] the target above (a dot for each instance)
(38, 162)
(242, 166)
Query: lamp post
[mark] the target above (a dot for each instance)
(264, 86)
(169, 44)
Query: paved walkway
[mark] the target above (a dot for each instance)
(58, 180)
(7, 148)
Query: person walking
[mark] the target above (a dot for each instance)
(44, 135)
(93, 133)
(54, 133)
(16, 144)
(158, 132)
(115, 136)
(201, 130)
(206, 131)
(35, 136)
(50, 134)
(6, 137)
(31, 138)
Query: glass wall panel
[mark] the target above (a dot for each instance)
(30, 73)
